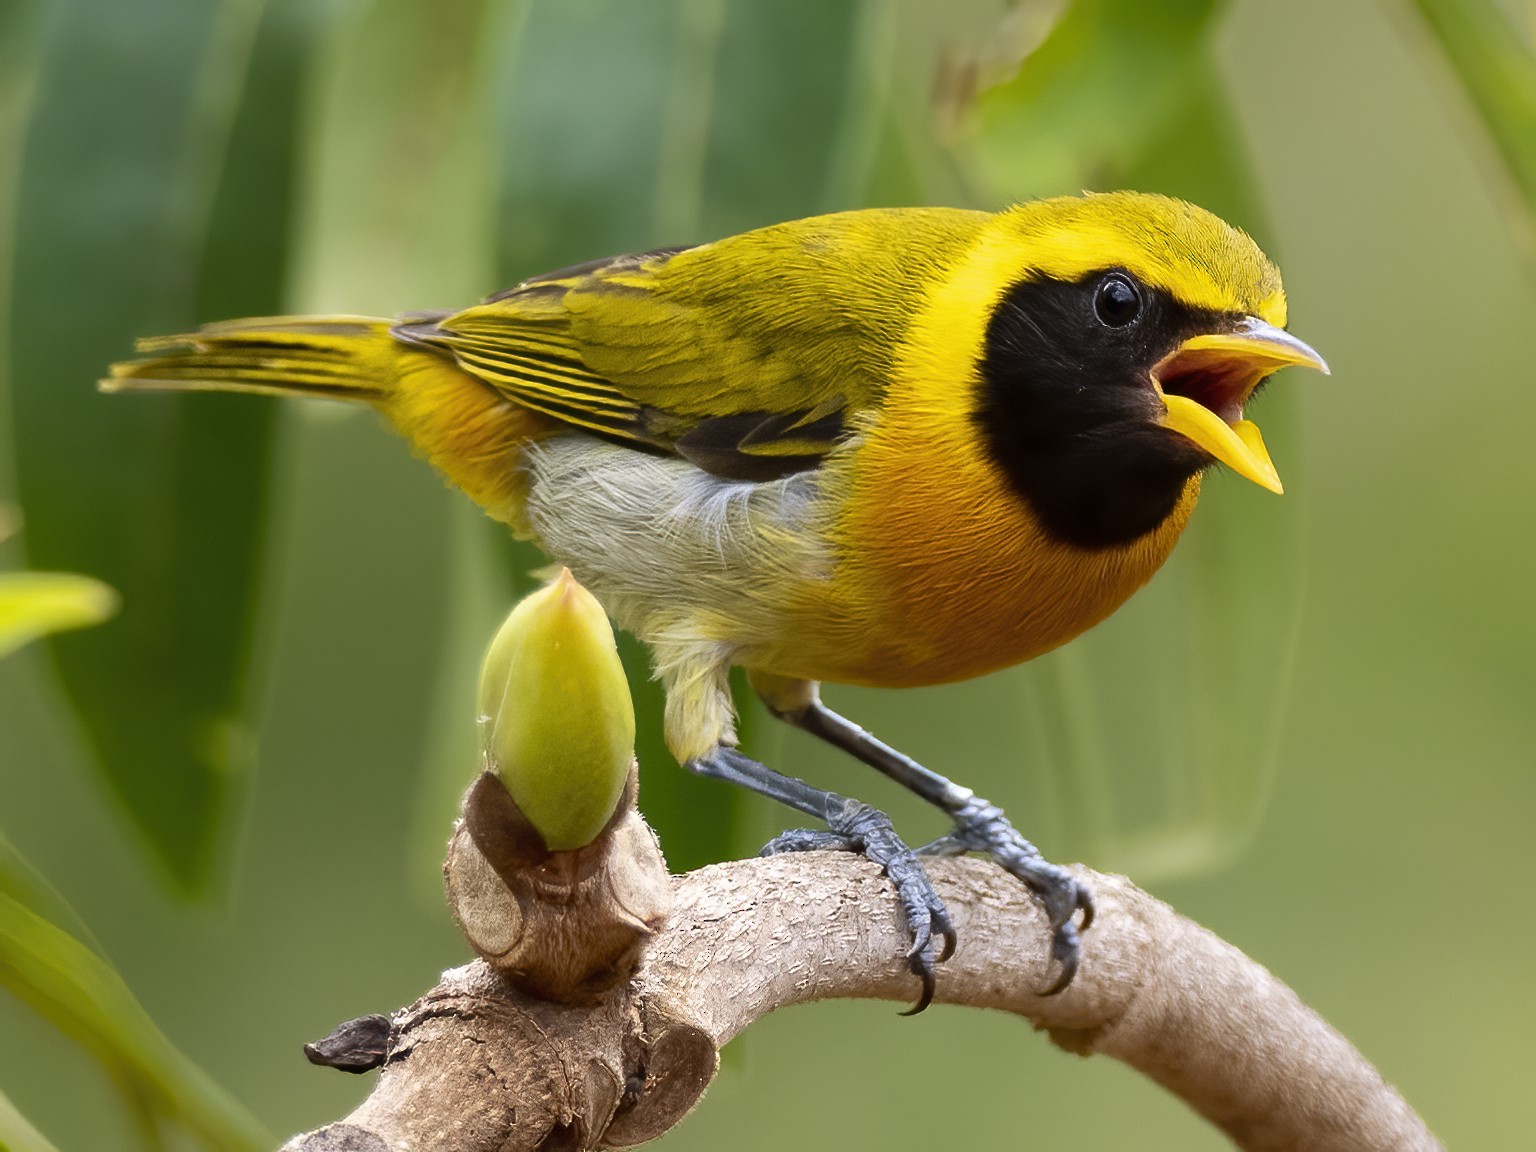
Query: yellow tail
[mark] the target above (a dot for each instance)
(343, 357)
(470, 433)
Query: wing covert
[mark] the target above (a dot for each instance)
(748, 356)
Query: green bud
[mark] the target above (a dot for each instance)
(556, 720)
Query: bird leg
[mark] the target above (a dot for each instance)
(979, 825)
(851, 825)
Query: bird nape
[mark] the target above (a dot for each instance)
(888, 447)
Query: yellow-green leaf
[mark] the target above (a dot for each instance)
(84, 996)
(1497, 67)
(16, 1134)
(153, 191)
(33, 604)
(1106, 80)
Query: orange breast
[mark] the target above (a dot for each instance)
(942, 572)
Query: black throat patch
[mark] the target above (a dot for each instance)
(1067, 411)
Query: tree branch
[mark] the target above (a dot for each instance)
(477, 1064)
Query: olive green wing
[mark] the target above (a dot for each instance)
(749, 356)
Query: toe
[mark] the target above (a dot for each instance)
(804, 840)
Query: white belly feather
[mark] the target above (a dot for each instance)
(697, 567)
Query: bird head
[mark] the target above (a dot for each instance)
(1128, 334)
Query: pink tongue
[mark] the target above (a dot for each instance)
(1211, 378)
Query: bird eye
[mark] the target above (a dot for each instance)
(1116, 301)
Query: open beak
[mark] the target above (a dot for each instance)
(1205, 381)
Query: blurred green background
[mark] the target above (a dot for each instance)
(1314, 733)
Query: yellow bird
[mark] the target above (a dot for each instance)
(887, 447)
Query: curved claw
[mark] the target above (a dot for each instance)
(1085, 905)
(950, 939)
(922, 941)
(868, 831)
(925, 998)
(920, 960)
(982, 827)
(1066, 946)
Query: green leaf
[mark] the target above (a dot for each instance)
(16, 1135)
(33, 604)
(124, 225)
(20, 33)
(1108, 78)
(85, 997)
(22, 882)
(1497, 67)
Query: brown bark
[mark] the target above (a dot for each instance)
(478, 1064)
